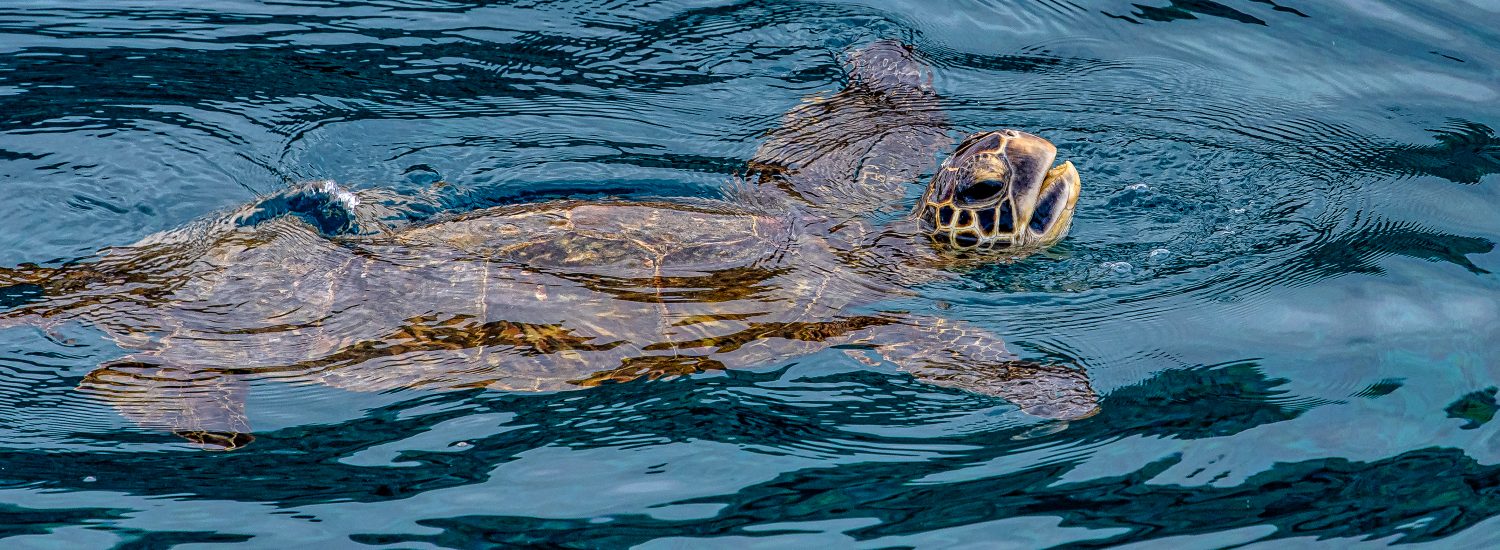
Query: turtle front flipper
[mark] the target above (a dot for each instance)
(202, 405)
(856, 152)
(954, 354)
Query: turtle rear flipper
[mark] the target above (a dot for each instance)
(957, 355)
(19, 287)
(12, 296)
(28, 292)
(202, 405)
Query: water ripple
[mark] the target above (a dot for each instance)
(1277, 279)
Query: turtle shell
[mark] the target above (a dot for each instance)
(616, 239)
(534, 297)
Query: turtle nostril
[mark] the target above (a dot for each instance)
(1042, 216)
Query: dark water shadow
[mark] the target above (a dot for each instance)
(1357, 251)
(1465, 152)
(1178, 10)
(1324, 498)
(18, 521)
(1329, 497)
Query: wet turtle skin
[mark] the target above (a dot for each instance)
(550, 296)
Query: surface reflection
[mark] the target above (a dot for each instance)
(1354, 498)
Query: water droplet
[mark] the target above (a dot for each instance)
(90, 479)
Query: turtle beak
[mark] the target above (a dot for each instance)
(1053, 214)
(999, 191)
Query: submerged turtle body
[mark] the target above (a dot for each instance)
(545, 293)
(551, 296)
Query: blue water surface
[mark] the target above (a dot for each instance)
(1281, 277)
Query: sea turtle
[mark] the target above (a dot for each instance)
(312, 285)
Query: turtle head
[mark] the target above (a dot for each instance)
(999, 191)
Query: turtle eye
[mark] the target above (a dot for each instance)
(980, 191)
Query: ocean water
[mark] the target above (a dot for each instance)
(1280, 280)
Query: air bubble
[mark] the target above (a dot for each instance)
(90, 479)
(1137, 187)
(1159, 253)
(1119, 268)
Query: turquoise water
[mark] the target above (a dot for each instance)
(1280, 278)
